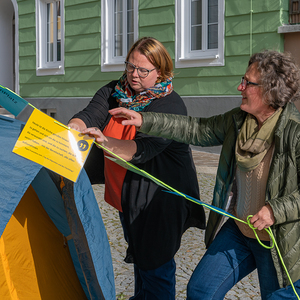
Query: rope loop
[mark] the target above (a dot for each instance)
(254, 230)
(272, 238)
(141, 172)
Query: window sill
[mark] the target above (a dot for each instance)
(204, 61)
(112, 67)
(289, 28)
(50, 71)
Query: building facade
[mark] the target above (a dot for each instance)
(58, 53)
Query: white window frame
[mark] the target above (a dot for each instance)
(43, 67)
(184, 57)
(108, 61)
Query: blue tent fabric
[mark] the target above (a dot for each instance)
(73, 209)
(16, 173)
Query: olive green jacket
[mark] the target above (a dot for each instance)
(283, 184)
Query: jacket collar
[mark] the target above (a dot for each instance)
(239, 117)
(289, 112)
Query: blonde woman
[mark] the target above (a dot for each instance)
(153, 221)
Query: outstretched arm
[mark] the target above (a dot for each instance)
(133, 117)
(123, 148)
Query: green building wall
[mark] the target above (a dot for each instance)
(250, 26)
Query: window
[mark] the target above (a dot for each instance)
(50, 37)
(119, 32)
(49, 111)
(199, 33)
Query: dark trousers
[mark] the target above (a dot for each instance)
(157, 284)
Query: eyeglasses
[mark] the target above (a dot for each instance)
(143, 72)
(245, 83)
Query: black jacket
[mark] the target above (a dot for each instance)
(155, 220)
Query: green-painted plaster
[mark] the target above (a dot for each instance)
(27, 35)
(83, 11)
(285, 12)
(262, 23)
(27, 63)
(266, 22)
(271, 41)
(83, 42)
(62, 89)
(146, 4)
(27, 21)
(82, 58)
(161, 15)
(234, 65)
(83, 76)
(27, 49)
(81, 27)
(164, 33)
(69, 3)
(206, 86)
(238, 45)
(170, 46)
(242, 7)
(26, 7)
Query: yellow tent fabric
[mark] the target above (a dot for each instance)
(35, 261)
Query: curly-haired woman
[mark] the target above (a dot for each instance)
(259, 170)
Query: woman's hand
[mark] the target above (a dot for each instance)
(133, 117)
(264, 218)
(100, 138)
(77, 124)
(123, 148)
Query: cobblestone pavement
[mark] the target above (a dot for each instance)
(192, 245)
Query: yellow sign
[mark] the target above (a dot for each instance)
(53, 145)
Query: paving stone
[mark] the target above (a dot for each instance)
(192, 245)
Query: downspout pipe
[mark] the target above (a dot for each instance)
(251, 26)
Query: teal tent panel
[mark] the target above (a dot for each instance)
(73, 210)
(16, 173)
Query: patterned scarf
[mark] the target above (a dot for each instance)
(126, 97)
(253, 144)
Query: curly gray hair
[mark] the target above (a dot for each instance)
(279, 77)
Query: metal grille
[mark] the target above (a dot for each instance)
(294, 12)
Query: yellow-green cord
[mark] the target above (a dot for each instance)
(227, 215)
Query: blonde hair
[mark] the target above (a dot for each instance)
(156, 53)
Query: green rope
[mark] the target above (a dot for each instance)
(269, 231)
(144, 173)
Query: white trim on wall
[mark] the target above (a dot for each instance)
(43, 67)
(184, 56)
(109, 62)
(16, 34)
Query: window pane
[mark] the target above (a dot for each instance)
(118, 45)
(118, 23)
(196, 12)
(196, 25)
(213, 36)
(58, 31)
(118, 30)
(213, 11)
(196, 38)
(118, 5)
(129, 4)
(123, 35)
(130, 41)
(130, 24)
(50, 31)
